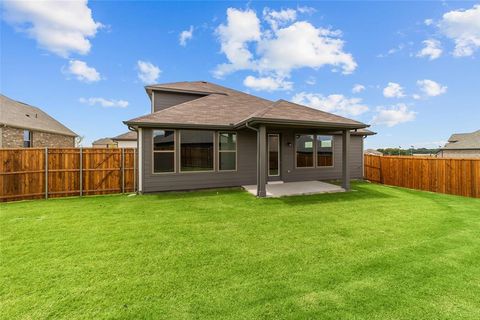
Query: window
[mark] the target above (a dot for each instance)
(27, 138)
(304, 150)
(324, 151)
(196, 153)
(227, 151)
(273, 154)
(163, 151)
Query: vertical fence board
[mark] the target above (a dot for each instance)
(23, 173)
(443, 175)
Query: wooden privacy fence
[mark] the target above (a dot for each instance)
(444, 175)
(36, 173)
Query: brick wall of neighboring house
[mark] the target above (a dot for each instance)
(13, 138)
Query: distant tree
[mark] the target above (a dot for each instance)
(406, 152)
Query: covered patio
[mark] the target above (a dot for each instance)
(275, 190)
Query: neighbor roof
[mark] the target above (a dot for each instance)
(21, 115)
(225, 107)
(127, 136)
(463, 141)
(103, 141)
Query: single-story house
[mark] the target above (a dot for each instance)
(203, 135)
(104, 143)
(126, 140)
(26, 126)
(461, 145)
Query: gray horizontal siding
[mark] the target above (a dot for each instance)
(163, 100)
(245, 174)
(247, 163)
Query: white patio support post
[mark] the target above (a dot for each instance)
(262, 162)
(345, 159)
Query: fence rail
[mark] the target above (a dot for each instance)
(443, 175)
(36, 173)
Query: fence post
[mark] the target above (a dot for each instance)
(81, 171)
(46, 173)
(123, 170)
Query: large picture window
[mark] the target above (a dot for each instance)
(196, 150)
(227, 151)
(324, 151)
(163, 151)
(304, 150)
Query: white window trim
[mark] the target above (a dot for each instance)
(165, 151)
(180, 152)
(227, 151)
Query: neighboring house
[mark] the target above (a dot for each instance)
(25, 126)
(373, 152)
(104, 143)
(126, 140)
(202, 135)
(461, 145)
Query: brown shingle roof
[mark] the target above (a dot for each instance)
(127, 136)
(463, 141)
(21, 115)
(225, 107)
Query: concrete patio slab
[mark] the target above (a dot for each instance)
(296, 188)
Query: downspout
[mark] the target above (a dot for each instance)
(258, 150)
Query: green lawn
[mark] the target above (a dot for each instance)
(373, 253)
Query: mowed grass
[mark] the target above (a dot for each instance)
(374, 253)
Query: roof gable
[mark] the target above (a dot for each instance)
(464, 141)
(20, 115)
(225, 107)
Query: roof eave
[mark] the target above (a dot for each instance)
(71, 134)
(149, 89)
(300, 123)
(178, 125)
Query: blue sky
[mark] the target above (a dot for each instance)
(415, 65)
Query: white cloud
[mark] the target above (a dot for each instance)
(279, 18)
(463, 27)
(392, 51)
(302, 45)
(358, 88)
(106, 103)
(267, 83)
(185, 36)
(61, 27)
(394, 115)
(428, 22)
(242, 27)
(147, 72)
(311, 81)
(82, 71)
(431, 88)
(334, 103)
(393, 90)
(432, 49)
(282, 46)
(306, 10)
